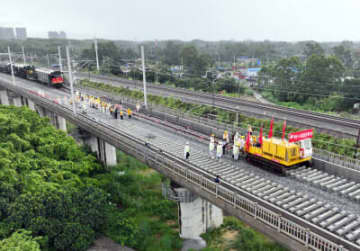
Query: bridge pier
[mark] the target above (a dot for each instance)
(106, 153)
(196, 215)
(61, 123)
(31, 104)
(41, 111)
(4, 97)
(17, 101)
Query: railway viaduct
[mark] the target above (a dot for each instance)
(191, 182)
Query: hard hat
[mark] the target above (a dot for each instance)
(187, 142)
(212, 135)
(242, 137)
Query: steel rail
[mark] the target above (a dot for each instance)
(307, 233)
(236, 101)
(166, 114)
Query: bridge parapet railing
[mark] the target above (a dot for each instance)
(336, 158)
(218, 127)
(274, 220)
(189, 173)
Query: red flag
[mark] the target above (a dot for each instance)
(283, 131)
(271, 128)
(247, 144)
(261, 136)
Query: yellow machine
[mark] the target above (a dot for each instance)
(279, 154)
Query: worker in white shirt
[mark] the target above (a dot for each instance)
(187, 151)
(212, 148)
(236, 150)
(219, 150)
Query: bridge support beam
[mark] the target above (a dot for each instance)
(41, 111)
(196, 215)
(17, 101)
(106, 153)
(4, 97)
(31, 104)
(61, 123)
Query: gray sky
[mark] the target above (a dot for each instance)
(289, 20)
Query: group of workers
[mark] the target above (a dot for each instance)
(218, 148)
(115, 110)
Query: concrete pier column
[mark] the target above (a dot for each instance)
(61, 123)
(31, 104)
(4, 97)
(196, 215)
(106, 153)
(17, 102)
(110, 155)
(41, 111)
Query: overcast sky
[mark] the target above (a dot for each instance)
(289, 20)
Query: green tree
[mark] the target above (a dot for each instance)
(313, 48)
(286, 75)
(20, 240)
(322, 76)
(196, 63)
(344, 55)
(106, 50)
(171, 53)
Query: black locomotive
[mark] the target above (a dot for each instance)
(45, 76)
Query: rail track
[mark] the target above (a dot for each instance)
(297, 199)
(333, 124)
(311, 219)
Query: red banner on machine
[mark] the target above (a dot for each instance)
(297, 136)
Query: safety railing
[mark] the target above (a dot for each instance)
(189, 173)
(219, 127)
(172, 166)
(339, 159)
(281, 224)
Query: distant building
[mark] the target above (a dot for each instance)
(56, 35)
(7, 33)
(52, 35)
(62, 35)
(253, 72)
(21, 33)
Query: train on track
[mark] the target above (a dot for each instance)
(45, 76)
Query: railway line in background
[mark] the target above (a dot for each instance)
(334, 125)
(242, 189)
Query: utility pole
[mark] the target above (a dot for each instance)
(60, 62)
(48, 60)
(97, 56)
(70, 79)
(11, 66)
(23, 52)
(144, 76)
